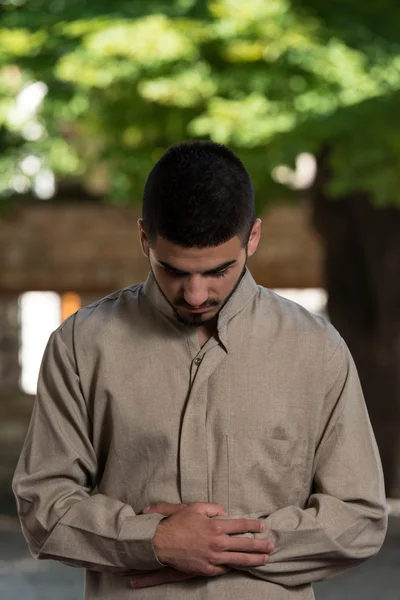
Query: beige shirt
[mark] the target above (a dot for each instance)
(267, 418)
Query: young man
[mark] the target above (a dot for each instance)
(197, 436)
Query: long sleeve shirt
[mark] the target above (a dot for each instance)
(267, 419)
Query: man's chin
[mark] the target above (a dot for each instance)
(195, 320)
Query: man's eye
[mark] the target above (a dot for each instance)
(173, 274)
(177, 275)
(220, 273)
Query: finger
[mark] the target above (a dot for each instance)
(132, 573)
(209, 509)
(170, 575)
(164, 508)
(243, 559)
(167, 575)
(238, 544)
(232, 526)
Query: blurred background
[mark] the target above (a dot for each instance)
(306, 92)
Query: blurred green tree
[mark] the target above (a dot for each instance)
(94, 91)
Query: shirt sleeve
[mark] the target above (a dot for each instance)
(345, 519)
(62, 517)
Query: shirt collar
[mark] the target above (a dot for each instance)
(245, 291)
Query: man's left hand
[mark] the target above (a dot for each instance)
(167, 574)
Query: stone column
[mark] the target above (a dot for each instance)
(9, 343)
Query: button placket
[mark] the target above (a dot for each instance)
(193, 453)
(194, 368)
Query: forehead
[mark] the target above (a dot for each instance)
(195, 259)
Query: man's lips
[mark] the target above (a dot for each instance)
(197, 310)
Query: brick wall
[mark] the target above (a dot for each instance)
(94, 249)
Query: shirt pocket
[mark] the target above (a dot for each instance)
(263, 473)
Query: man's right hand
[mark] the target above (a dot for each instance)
(192, 541)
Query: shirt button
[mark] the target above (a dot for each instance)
(197, 361)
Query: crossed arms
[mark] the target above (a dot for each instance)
(343, 522)
(191, 543)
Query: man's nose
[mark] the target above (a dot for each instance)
(195, 291)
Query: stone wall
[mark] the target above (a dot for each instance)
(94, 248)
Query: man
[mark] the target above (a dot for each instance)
(197, 436)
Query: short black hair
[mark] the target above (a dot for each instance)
(198, 194)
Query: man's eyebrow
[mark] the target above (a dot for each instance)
(221, 267)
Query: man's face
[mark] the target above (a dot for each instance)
(198, 281)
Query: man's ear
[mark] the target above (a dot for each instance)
(144, 242)
(254, 237)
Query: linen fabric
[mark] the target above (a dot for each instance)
(267, 418)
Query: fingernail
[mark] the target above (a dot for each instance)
(266, 559)
(271, 548)
(262, 527)
(146, 509)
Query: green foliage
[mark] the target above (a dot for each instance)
(124, 80)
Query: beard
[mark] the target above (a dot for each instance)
(194, 320)
(197, 320)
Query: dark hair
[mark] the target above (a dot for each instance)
(198, 194)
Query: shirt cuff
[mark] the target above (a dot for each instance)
(136, 541)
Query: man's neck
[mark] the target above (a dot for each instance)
(204, 333)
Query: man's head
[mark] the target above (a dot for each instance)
(198, 227)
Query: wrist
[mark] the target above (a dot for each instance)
(159, 544)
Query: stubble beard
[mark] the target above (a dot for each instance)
(198, 320)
